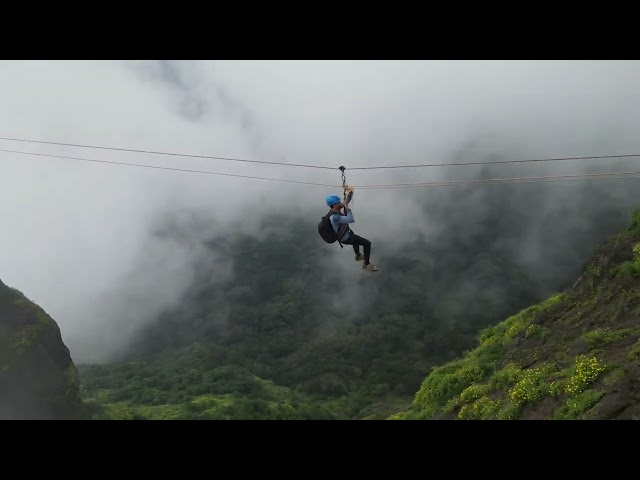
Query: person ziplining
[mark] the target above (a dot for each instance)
(334, 226)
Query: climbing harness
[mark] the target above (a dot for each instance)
(344, 186)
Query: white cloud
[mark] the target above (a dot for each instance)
(73, 229)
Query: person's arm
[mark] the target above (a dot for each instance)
(348, 218)
(339, 218)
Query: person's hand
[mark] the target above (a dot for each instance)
(349, 192)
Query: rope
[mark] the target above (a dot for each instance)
(491, 162)
(585, 176)
(600, 176)
(230, 159)
(166, 168)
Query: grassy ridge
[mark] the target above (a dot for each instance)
(558, 359)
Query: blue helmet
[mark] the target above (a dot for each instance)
(332, 200)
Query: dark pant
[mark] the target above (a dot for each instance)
(356, 241)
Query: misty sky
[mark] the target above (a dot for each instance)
(72, 230)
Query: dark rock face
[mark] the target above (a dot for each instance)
(38, 379)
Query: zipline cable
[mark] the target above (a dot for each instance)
(599, 176)
(324, 167)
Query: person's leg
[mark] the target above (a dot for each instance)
(355, 245)
(357, 241)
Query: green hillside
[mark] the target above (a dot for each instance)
(283, 333)
(284, 317)
(574, 356)
(286, 337)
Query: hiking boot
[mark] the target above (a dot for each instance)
(370, 268)
(360, 258)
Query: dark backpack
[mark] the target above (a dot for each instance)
(326, 231)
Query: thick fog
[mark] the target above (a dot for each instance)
(85, 240)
